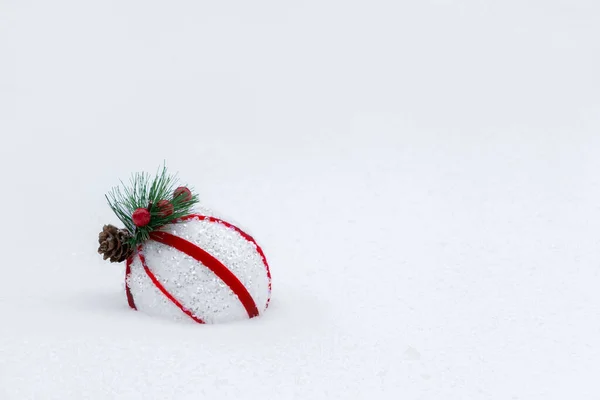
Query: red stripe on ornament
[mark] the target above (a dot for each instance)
(127, 290)
(244, 235)
(163, 290)
(211, 263)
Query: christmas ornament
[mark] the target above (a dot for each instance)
(183, 264)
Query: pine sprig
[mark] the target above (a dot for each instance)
(145, 192)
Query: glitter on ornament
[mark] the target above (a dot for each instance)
(228, 246)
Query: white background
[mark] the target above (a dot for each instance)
(424, 177)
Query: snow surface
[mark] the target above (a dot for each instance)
(423, 177)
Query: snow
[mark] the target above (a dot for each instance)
(422, 176)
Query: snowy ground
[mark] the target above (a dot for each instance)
(423, 176)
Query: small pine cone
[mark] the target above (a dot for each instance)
(114, 243)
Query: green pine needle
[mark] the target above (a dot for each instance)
(144, 192)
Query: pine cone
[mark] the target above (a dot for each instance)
(114, 243)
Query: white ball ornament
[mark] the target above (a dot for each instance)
(199, 268)
(182, 262)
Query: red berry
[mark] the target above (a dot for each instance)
(165, 208)
(141, 217)
(183, 191)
